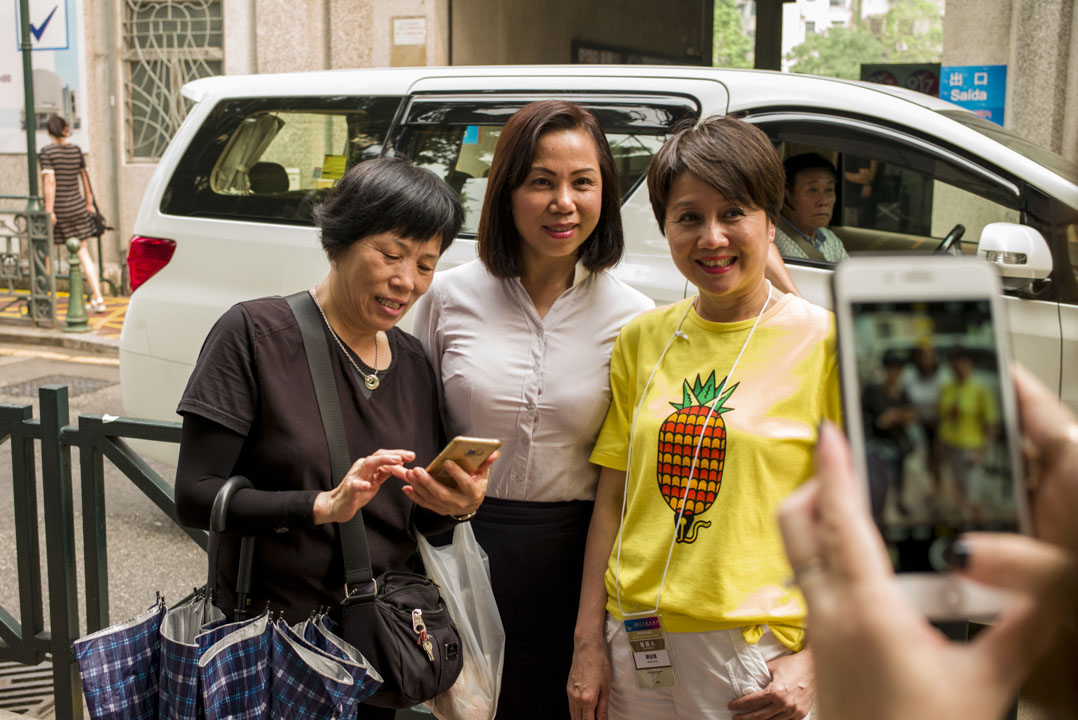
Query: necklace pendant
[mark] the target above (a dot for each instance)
(371, 381)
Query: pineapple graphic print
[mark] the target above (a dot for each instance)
(679, 435)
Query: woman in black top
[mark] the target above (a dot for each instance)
(250, 409)
(889, 414)
(63, 169)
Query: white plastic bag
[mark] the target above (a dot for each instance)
(462, 571)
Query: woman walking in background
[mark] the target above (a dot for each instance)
(62, 168)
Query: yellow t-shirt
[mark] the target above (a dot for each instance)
(967, 410)
(728, 568)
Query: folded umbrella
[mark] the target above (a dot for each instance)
(179, 695)
(307, 682)
(120, 667)
(234, 671)
(321, 632)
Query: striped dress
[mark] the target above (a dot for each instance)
(72, 218)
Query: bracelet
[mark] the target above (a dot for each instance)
(464, 518)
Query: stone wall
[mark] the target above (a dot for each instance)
(1037, 42)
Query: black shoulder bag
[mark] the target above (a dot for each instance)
(398, 621)
(97, 221)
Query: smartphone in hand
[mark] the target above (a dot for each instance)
(930, 412)
(467, 452)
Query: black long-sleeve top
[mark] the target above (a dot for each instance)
(250, 409)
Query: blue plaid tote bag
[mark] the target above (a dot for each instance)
(306, 682)
(321, 632)
(120, 666)
(179, 696)
(234, 672)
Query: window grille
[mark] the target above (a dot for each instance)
(166, 44)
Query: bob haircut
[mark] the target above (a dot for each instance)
(796, 164)
(732, 156)
(55, 126)
(497, 238)
(388, 195)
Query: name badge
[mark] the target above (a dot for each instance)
(651, 654)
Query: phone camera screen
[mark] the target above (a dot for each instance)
(936, 460)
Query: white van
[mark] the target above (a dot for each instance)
(227, 214)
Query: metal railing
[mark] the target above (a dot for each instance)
(25, 249)
(25, 639)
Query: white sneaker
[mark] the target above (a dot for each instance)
(97, 306)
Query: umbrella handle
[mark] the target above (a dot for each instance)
(219, 512)
(243, 577)
(218, 525)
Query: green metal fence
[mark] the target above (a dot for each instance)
(25, 639)
(25, 249)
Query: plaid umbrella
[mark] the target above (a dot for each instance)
(120, 667)
(179, 696)
(321, 632)
(188, 664)
(234, 671)
(307, 682)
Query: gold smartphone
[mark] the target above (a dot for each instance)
(467, 452)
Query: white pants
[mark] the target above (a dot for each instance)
(712, 669)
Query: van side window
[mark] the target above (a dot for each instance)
(893, 196)
(455, 138)
(273, 160)
(896, 199)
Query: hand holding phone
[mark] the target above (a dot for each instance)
(930, 413)
(467, 452)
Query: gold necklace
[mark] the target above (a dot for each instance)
(371, 381)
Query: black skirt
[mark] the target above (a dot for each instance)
(536, 559)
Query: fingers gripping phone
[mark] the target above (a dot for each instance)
(930, 412)
(467, 452)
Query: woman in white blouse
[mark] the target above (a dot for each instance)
(520, 341)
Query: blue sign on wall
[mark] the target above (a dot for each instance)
(980, 88)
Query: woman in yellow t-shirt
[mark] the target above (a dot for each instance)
(686, 608)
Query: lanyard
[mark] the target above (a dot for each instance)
(692, 468)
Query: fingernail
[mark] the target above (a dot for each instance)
(957, 553)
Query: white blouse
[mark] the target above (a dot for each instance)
(540, 385)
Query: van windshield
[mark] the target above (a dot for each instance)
(1056, 163)
(454, 137)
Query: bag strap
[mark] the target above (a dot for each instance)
(357, 559)
(93, 195)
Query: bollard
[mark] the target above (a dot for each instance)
(77, 316)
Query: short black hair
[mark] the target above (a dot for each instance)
(55, 126)
(497, 239)
(806, 161)
(388, 195)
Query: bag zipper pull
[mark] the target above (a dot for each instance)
(422, 639)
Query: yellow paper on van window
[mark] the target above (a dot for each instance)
(333, 167)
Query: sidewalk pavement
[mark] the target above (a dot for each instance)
(103, 338)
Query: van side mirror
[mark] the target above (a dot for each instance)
(1019, 251)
